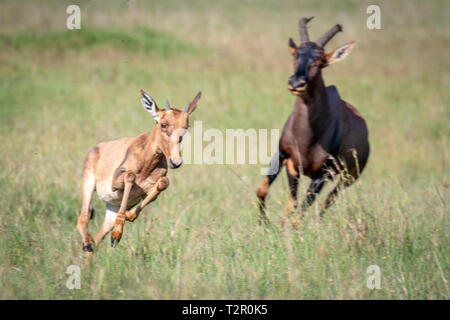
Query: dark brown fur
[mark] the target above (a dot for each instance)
(323, 136)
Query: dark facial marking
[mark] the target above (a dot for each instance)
(306, 56)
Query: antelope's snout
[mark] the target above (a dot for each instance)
(175, 158)
(175, 165)
(296, 84)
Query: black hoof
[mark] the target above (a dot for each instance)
(114, 242)
(87, 248)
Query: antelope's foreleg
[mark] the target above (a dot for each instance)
(108, 223)
(117, 231)
(263, 189)
(293, 179)
(152, 194)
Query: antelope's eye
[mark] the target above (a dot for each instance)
(163, 125)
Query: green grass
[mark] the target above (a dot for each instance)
(140, 40)
(62, 92)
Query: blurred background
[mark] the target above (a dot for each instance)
(63, 91)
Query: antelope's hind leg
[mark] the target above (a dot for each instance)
(327, 173)
(313, 191)
(349, 176)
(331, 198)
(88, 187)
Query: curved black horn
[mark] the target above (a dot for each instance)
(322, 41)
(168, 105)
(187, 107)
(303, 29)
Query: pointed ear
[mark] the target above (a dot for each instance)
(339, 54)
(292, 46)
(193, 104)
(149, 105)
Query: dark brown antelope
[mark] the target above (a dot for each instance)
(127, 171)
(324, 135)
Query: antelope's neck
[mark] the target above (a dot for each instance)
(151, 147)
(316, 102)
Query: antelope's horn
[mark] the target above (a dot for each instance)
(322, 41)
(168, 105)
(187, 107)
(303, 29)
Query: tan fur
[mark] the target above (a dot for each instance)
(127, 171)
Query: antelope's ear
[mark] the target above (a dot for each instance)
(149, 105)
(292, 46)
(339, 54)
(193, 104)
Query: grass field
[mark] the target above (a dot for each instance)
(63, 91)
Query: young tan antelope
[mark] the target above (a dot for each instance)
(324, 135)
(130, 173)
